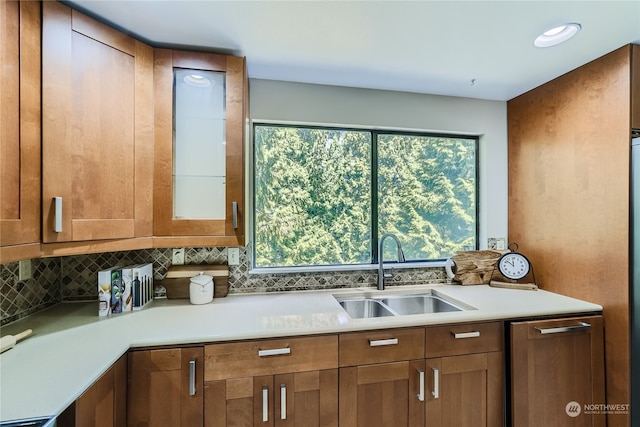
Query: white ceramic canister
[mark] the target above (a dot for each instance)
(201, 289)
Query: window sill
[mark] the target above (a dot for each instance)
(345, 268)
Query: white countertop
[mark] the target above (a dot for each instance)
(71, 346)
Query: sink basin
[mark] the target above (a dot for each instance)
(419, 304)
(396, 305)
(365, 307)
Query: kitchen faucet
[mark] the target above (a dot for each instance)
(381, 275)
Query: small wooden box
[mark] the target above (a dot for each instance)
(178, 278)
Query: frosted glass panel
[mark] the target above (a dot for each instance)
(199, 197)
(199, 144)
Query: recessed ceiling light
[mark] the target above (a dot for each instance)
(197, 80)
(557, 35)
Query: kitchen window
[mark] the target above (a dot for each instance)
(323, 195)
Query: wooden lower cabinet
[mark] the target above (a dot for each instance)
(104, 404)
(166, 388)
(301, 399)
(380, 378)
(557, 372)
(272, 383)
(465, 383)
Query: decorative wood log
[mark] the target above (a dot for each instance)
(475, 267)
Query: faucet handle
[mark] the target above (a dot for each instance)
(389, 275)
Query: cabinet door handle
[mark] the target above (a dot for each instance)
(234, 210)
(274, 352)
(283, 401)
(582, 326)
(57, 223)
(421, 393)
(378, 343)
(436, 383)
(265, 404)
(460, 335)
(192, 377)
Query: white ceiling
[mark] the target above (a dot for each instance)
(434, 47)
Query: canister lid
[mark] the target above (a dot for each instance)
(202, 279)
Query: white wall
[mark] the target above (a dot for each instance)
(318, 104)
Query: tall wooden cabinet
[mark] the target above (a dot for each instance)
(557, 372)
(165, 387)
(199, 148)
(569, 161)
(97, 127)
(20, 31)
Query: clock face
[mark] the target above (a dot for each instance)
(514, 266)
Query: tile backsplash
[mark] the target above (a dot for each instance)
(73, 278)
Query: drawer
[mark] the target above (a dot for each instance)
(464, 339)
(269, 357)
(390, 345)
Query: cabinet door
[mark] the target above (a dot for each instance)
(239, 402)
(382, 395)
(465, 391)
(97, 127)
(166, 387)
(301, 399)
(103, 404)
(306, 399)
(557, 367)
(20, 118)
(200, 113)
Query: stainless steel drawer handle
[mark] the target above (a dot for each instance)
(421, 393)
(265, 404)
(274, 352)
(436, 383)
(473, 334)
(581, 327)
(283, 401)
(234, 210)
(378, 343)
(192, 377)
(57, 223)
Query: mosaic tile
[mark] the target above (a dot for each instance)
(73, 278)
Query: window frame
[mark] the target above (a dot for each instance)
(375, 133)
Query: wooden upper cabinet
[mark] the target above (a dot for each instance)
(97, 127)
(20, 118)
(201, 119)
(635, 86)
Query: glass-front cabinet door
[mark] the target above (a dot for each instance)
(200, 128)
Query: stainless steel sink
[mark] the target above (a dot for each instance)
(365, 307)
(396, 305)
(419, 304)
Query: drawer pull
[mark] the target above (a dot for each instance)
(473, 334)
(274, 352)
(378, 343)
(265, 404)
(192, 377)
(57, 222)
(436, 383)
(234, 213)
(421, 394)
(581, 327)
(283, 401)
